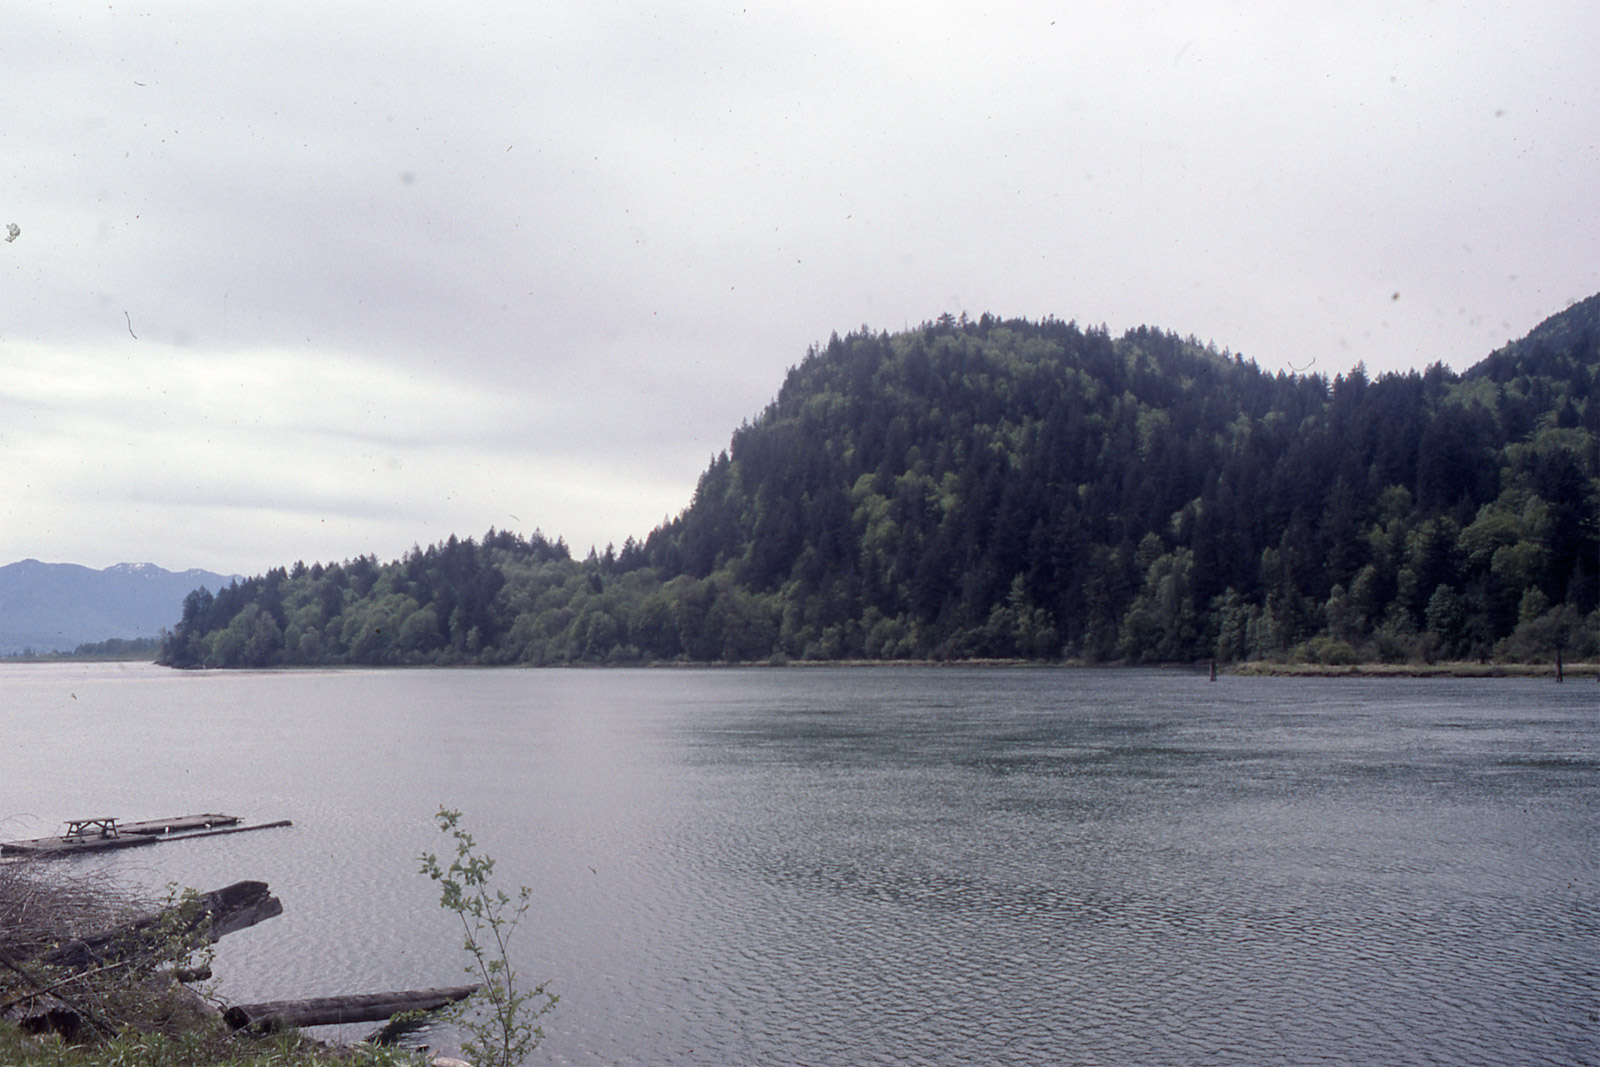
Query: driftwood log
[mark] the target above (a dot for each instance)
(230, 908)
(220, 912)
(324, 1011)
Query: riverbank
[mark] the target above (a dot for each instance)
(134, 1011)
(1248, 668)
(1571, 672)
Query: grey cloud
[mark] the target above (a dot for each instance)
(631, 219)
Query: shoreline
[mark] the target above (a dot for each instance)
(1243, 668)
(1451, 669)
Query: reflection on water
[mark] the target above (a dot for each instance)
(842, 866)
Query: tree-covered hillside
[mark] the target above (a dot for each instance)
(1006, 488)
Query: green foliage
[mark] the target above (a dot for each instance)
(502, 1018)
(198, 1044)
(180, 939)
(113, 648)
(983, 488)
(129, 648)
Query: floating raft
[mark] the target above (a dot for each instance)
(105, 834)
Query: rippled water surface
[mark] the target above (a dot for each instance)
(896, 865)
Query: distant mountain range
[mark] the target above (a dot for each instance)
(48, 607)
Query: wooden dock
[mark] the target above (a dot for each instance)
(182, 824)
(105, 834)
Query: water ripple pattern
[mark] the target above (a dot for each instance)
(892, 865)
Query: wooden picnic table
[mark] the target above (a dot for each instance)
(79, 829)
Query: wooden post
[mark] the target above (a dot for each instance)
(1213, 670)
(1559, 676)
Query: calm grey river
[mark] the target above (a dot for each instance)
(901, 866)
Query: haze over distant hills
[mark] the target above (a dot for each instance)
(50, 607)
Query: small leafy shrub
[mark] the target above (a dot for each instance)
(502, 1018)
(1390, 647)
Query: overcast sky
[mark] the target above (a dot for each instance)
(311, 280)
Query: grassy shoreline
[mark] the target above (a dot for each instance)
(1454, 669)
(1244, 668)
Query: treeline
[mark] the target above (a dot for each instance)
(989, 488)
(112, 648)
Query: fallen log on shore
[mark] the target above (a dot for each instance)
(229, 909)
(324, 1011)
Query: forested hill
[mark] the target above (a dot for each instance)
(996, 488)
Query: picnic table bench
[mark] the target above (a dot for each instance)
(80, 829)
